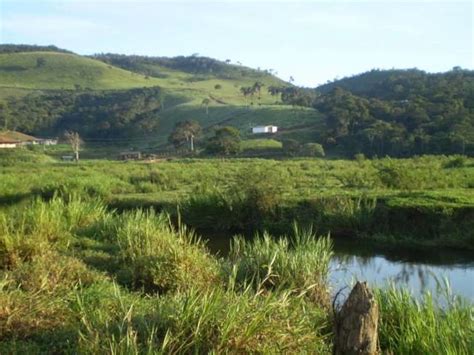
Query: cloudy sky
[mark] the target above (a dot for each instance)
(313, 41)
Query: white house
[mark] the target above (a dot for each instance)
(264, 129)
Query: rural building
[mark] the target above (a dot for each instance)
(21, 139)
(8, 142)
(264, 129)
(47, 141)
(130, 155)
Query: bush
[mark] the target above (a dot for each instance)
(158, 258)
(291, 147)
(313, 150)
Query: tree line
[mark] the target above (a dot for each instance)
(93, 114)
(397, 113)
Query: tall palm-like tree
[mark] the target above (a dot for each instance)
(206, 103)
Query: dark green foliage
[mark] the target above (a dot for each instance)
(18, 48)
(184, 132)
(92, 114)
(291, 147)
(194, 64)
(395, 112)
(313, 150)
(226, 141)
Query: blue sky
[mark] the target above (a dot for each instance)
(314, 41)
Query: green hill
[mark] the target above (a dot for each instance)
(123, 99)
(56, 71)
(44, 92)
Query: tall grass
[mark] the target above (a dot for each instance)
(162, 292)
(300, 263)
(410, 326)
(160, 258)
(218, 321)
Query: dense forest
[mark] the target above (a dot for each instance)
(395, 112)
(91, 113)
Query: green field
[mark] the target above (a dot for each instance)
(89, 264)
(368, 198)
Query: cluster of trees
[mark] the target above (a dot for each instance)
(18, 48)
(226, 140)
(293, 147)
(92, 114)
(193, 64)
(256, 88)
(396, 112)
(293, 95)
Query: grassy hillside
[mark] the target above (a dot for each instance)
(48, 89)
(50, 70)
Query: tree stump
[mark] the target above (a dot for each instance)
(356, 323)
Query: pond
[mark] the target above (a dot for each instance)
(417, 270)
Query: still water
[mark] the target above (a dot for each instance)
(420, 270)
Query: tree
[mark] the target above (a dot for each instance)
(226, 140)
(3, 116)
(75, 141)
(40, 62)
(206, 103)
(185, 132)
(313, 150)
(291, 146)
(246, 91)
(257, 87)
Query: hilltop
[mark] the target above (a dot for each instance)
(44, 90)
(113, 97)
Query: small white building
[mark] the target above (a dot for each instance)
(46, 141)
(264, 129)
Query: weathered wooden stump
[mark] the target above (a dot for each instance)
(356, 323)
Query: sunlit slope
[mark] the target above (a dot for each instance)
(51, 70)
(211, 98)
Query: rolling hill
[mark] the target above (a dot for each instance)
(63, 71)
(42, 90)
(123, 99)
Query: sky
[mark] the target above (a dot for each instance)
(312, 41)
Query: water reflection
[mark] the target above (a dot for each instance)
(418, 277)
(419, 270)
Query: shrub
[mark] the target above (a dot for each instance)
(158, 258)
(313, 150)
(291, 147)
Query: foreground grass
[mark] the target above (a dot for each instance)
(77, 278)
(366, 198)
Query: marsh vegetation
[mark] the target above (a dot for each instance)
(102, 257)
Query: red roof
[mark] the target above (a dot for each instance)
(6, 140)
